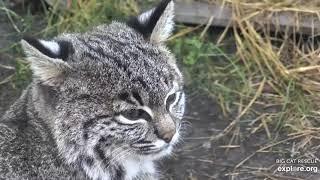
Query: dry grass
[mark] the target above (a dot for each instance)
(277, 84)
(292, 64)
(283, 71)
(281, 62)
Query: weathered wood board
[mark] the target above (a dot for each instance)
(200, 13)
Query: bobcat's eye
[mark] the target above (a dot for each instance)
(170, 100)
(135, 114)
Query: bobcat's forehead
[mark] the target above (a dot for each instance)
(121, 60)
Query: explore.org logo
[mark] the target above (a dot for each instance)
(297, 169)
(298, 165)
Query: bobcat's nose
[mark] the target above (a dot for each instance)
(165, 129)
(165, 135)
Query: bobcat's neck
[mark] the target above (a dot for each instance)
(139, 168)
(43, 102)
(28, 110)
(127, 169)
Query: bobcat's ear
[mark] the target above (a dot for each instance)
(157, 23)
(47, 59)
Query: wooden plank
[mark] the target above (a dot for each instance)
(199, 13)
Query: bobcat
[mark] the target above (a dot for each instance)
(105, 104)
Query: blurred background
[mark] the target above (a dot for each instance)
(251, 69)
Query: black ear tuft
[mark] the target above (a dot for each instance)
(52, 49)
(146, 26)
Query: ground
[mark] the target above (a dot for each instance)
(206, 152)
(199, 158)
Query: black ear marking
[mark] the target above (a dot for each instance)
(36, 44)
(65, 48)
(146, 27)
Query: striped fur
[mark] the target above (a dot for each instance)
(105, 104)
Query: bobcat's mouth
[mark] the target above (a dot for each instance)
(151, 148)
(156, 148)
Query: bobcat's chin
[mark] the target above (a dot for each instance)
(159, 154)
(156, 150)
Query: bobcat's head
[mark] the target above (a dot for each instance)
(113, 92)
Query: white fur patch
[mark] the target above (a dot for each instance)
(181, 105)
(51, 45)
(124, 120)
(145, 16)
(178, 94)
(175, 138)
(134, 167)
(160, 144)
(96, 173)
(148, 110)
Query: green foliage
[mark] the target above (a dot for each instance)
(22, 75)
(194, 49)
(85, 14)
(208, 67)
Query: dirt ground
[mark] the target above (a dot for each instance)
(201, 156)
(198, 158)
